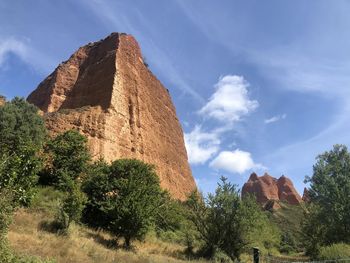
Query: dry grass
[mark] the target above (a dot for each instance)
(83, 245)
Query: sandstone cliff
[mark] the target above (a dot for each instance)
(105, 91)
(2, 100)
(269, 190)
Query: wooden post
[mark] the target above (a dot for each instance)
(256, 255)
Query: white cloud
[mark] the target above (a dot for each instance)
(275, 118)
(230, 101)
(201, 146)
(235, 162)
(14, 46)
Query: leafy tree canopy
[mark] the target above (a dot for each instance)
(225, 222)
(124, 198)
(69, 157)
(330, 203)
(22, 134)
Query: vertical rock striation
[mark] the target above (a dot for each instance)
(105, 91)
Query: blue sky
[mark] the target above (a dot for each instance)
(258, 85)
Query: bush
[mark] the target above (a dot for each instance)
(22, 133)
(170, 215)
(68, 158)
(20, 125)
(6, 210)
(125, 198)
(71, 208)
(327, 221)
(227, 223)
(335, 251)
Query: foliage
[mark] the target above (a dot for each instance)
(288, 219)
(170, 214)
(6, 210)
(224, 221)
(288, 243)
(20, 125)
(258, 231)
(334, 252)
(69, 157)
(328, 219)
(22, 133)
(125, 197)
(72, 207)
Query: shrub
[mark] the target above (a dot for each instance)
(170, 215)
(225, 222)
(20, 125)
(334, 252)
(6, 210)
(22, 133)
(68, 158)
(125, 197)
(71, 208)
(328, 219)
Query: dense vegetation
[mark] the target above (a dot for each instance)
(328, 217)
(124, 199)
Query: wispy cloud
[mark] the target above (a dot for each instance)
(112, 16)
(22, 49)
(11, 45)
(236, 161)
(275, 118)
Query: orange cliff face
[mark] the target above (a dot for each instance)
(105, 91)
(2, 100)
(267, 188)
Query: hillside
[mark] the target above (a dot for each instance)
(288, 218)
(30, 234)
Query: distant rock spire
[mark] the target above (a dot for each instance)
(268, 190)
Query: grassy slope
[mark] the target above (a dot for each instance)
(288, 218)
(28, 237)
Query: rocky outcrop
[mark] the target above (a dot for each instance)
(2, 100)
(269, 190)
(106, 91)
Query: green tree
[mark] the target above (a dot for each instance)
(69, 157)
(22, 133)
(72, 207)
(328, 219)
(125, 197)
(225, 221)
(20, 125)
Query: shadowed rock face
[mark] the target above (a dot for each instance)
(105, 91)
(267, 188)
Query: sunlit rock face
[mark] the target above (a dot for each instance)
(267, 188)
(106, 91)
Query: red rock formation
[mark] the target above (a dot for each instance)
(2, 100)
(287, 192)
(105, 91)
(268, 190)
